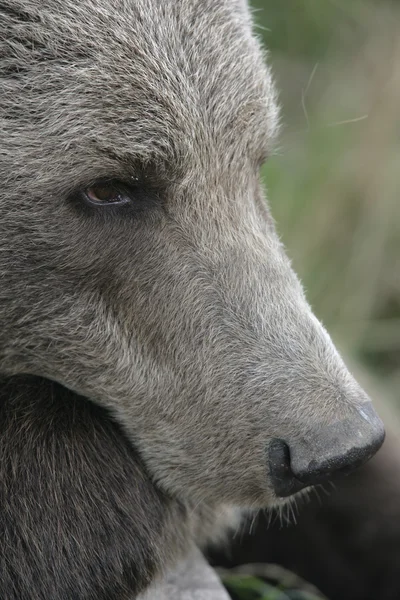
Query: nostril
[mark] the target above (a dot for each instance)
(331, 450)
(342, 464)
(282, 478)
(317, 472)
(287, 480)
(336, 449)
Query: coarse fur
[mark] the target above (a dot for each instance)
(79, 515)
(178, 313)
(72, 487)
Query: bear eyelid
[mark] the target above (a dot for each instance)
(106, 193)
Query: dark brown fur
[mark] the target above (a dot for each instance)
(79, 516)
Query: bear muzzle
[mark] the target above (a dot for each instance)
(326, 451)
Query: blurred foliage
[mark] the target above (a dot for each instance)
(246, 587)
(334, 181)
(267, 582)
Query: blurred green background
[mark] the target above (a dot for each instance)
(334, 182)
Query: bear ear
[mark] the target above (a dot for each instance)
(78, 512)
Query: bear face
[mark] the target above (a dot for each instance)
(139, 262)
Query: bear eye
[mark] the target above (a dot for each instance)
(107, 193)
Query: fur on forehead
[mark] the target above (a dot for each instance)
(115, 69)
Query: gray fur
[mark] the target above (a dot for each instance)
(192, 579)
(186, 319)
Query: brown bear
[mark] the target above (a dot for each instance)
(160, 367)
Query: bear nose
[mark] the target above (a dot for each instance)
(327, 450)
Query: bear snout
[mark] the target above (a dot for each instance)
(327, 450)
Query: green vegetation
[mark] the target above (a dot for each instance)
(247, 587)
